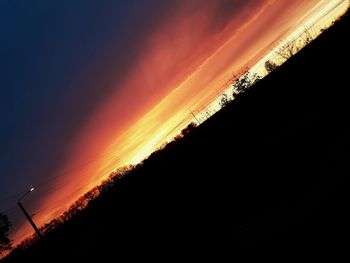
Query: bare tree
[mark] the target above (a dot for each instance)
(307, 36)
(288, 49)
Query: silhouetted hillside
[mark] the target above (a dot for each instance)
(266, 174)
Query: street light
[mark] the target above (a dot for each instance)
(26, 214)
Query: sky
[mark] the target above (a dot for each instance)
(89, 86)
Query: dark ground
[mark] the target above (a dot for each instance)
(267, 175)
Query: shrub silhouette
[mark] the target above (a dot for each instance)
(270, 66)
(246, 81)
(5, 242)
(224, 100)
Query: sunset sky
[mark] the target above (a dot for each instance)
(89, 86)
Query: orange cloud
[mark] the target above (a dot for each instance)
(181, 64)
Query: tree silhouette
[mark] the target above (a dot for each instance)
(224, 100)
(185, 131)
(308, 35)
(245, 81)
(288, 49)
(188, 129)
(5, 242)
(270, 66)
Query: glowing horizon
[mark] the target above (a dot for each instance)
(185, 87)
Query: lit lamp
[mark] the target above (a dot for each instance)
(37, 231)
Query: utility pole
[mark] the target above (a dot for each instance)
(194, 116)
(36, 229)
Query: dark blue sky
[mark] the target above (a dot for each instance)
(47, 50)
(43, 47)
